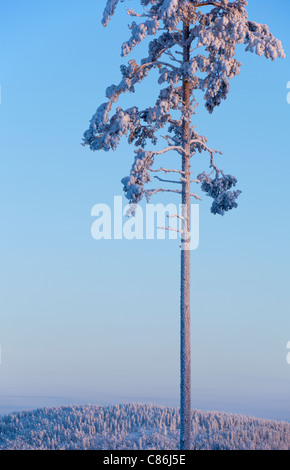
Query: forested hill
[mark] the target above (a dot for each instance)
(133, 426)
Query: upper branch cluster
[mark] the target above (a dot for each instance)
(215, 29)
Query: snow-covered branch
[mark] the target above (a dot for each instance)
(166, 170)
(168, 149)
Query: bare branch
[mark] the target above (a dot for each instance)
(167, 171)
(195, 196)
(171, 56)
(151, 192)
(167, 181)
(170, 228)
(161, 190)
(167, 138)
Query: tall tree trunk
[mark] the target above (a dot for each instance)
(185, 350)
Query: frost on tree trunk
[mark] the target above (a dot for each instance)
(185, 349)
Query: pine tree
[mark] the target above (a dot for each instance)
(193, 48)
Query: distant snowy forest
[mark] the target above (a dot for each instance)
(136, 427)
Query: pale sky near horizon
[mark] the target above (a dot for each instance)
(98, 321)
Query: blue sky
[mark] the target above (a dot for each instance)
(98, 321)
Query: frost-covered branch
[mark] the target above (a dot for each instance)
(166, 170)
(151, 192)
(168, 149)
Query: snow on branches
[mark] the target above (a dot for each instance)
(139, 176)
(109, 11)
(215, 28)
(219, 188)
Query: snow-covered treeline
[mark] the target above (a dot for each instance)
(134, 426)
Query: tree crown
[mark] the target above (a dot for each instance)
(214, 29)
